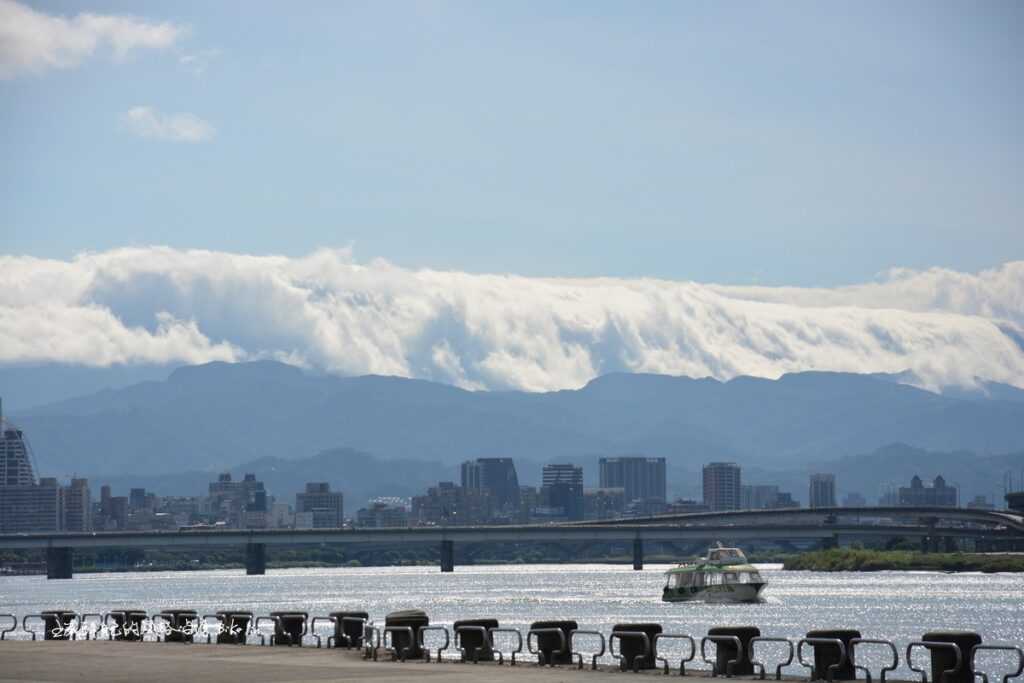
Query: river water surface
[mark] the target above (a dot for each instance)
(899, 606)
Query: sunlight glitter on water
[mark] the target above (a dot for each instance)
(893, 605)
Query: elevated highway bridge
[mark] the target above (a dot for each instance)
(827, 526)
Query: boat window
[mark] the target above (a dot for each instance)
(730, 577)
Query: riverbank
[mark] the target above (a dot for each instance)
(120, 662)
(859, 560)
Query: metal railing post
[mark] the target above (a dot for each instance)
(759, 666)
(854, 642)
(579, 655)
(519, 646)
(658, 637)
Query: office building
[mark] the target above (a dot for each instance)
(822, 491)
(229, 500)
(118, 517)
(25, 506)
(77, 505)
(639, 478)
(758, 497)
(15, 461)
(603, 503)
(449, 505)
(32, 508)
(382, 514)
(498, 477)
(529, 502)
(325, 506)
(137, 498)
(722, 490)
(936, 495)
(562, 490)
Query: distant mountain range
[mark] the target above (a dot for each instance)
(217, 416)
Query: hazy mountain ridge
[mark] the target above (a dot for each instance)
(213, 417)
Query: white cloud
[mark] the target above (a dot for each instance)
(329, 312)
(32, 41)
(150, 123)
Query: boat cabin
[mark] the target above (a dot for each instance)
(726, 556)
(712, 576)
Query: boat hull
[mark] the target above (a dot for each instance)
(741, 592)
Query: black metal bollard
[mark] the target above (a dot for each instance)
(631, 647)
(725, 650)
(181, 625)
(127, 624)
(234, 627)
(58, 624)
(414, 619)
(944, 659)
(348, 633)
(828, 655)
(289, 627)
(550, 645)
(475, 644)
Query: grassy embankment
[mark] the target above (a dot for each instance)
(858, 560)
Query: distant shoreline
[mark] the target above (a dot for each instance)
(858, 560)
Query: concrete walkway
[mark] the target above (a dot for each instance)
(119, 662)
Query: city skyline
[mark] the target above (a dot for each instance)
(489, 493)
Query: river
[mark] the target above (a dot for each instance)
(899, 606)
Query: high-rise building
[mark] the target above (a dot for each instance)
(498, 477)
(25, 506)
(31, 508)
(77, 506)
(15, 461)
(137, 498)
(603, 503)
(326, 506)
(382, 514)
(119, 512)
(936, 495)
(562, 489)
(823, 491)
(229, 500)
(449, 505)
(639, 478)
(722, 490)
(758, 496)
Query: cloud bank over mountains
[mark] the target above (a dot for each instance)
(326, 311)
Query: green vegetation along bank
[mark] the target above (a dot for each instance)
(860, 560)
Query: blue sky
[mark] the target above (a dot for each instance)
(811, 144)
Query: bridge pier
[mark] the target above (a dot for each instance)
(447, 556)
(638, 554)
(256, 559)
(58, 563)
